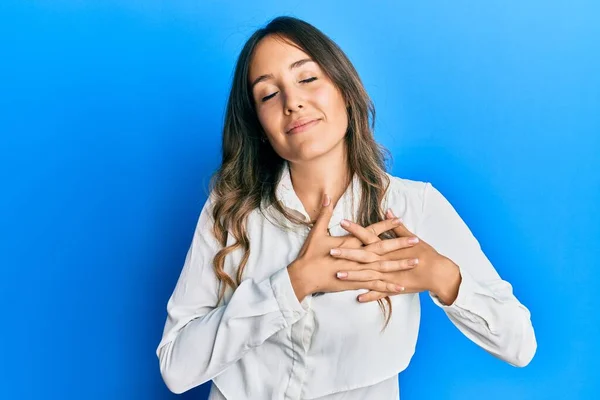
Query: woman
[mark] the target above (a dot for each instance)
(302, 206)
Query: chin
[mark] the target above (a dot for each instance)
(310, 151)
(311, 147)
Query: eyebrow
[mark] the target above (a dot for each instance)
(293, 65)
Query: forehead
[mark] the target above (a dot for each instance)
(272, 54)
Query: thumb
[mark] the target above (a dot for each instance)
(324, 217)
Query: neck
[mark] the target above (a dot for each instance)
(312, 179)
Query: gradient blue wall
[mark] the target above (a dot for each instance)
(110, 118)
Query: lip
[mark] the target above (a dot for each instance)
(305, 126)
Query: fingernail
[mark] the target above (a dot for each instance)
(326, 200)
(413, 240)
(345, 223)
(342, 274)
(397, 221)
(359, 299)
(399, 288)
(414, 261)
(335, 252)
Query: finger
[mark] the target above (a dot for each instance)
(373, 295)
(389, 245)
(360, 276)
(400, 230)
(366, 236)
(393, 265)
(352, 242)
(383, 286)
(377, 229)
(385, 225)
(378, 285)
(358, 255)
(322, 223)
(380, 267)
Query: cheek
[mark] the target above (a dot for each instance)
(267, 119)
(324, 96)
(330, 101)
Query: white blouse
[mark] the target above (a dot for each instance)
(262, 343)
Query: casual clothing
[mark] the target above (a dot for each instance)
(262, 343)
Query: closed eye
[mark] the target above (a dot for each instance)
(308, 80)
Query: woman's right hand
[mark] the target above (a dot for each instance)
(314, 270)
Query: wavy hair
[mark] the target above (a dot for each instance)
(250, 169)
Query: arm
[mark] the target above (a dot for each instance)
(200, 340)
(484, 309)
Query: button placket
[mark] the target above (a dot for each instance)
(302, 333)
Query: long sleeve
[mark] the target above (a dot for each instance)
(200, 340)
(485, 310)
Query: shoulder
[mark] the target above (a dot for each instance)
(206, 212)
(406, 199)
(407, 188)
(204, 230)
(206, 220)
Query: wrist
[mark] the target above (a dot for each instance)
(447, 282)
(300, 286)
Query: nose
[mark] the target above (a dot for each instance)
(293, 99)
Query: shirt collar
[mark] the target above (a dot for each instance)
(346, 207)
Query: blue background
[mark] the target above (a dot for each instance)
(110, 121)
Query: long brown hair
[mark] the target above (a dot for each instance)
(250, 168)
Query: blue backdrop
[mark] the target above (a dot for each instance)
(110, 121)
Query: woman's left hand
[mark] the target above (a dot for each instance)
(433, 272)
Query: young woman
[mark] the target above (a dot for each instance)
(300, 281)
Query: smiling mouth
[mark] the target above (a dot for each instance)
(304, 127)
